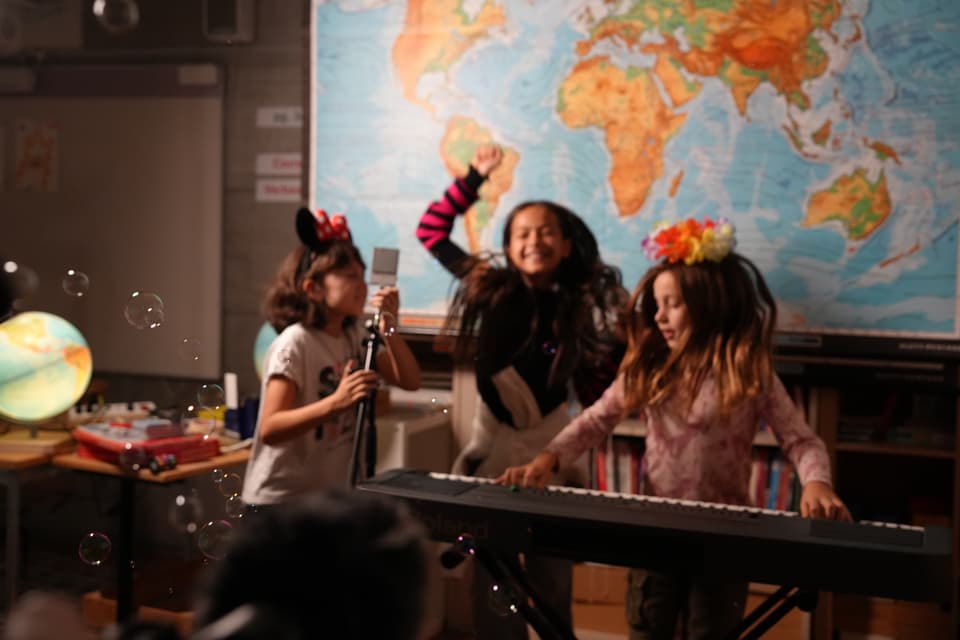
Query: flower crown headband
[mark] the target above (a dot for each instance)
(690, 241)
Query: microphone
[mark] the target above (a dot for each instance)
(383, 272)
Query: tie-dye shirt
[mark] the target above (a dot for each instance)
(691, 453)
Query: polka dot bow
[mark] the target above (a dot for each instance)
(690, 241)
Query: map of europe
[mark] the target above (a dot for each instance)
(826, 131)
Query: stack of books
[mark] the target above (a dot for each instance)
(120, 442)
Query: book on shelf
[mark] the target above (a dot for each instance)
(617, 465)
(773, 482)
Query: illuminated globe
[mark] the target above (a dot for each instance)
(264, 339)
(45, 366)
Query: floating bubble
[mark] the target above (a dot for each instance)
(217, 475)
(76, 283)
(503, 601)
(94, 548)
(185, 513)
(131, 459)
(144, 310)
(189, 350)
(464, 547)
(117, 16)
(210, 396)
(213, 538)
(230, 485)
(388, 324)
(23, 280)
(234, 506)
(196, 420)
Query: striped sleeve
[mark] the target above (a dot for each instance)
(436, 223)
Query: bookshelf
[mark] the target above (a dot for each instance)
(892, 433)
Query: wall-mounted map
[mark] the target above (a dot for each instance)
(826, 131)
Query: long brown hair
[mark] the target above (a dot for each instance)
(589, 293)
(732, 316)
(286, 303)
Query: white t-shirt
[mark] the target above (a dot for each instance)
(320, 458)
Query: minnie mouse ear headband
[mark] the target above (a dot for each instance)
(317, 229)
(690, 241)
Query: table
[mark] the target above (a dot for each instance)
(12, 465)
(123, 542)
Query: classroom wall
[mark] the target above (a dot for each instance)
(269, 72)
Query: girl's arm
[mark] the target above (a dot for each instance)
(281, 420)
(436, 223)
(587, 430)
(806, 451)
(396, 363)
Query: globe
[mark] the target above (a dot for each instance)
(264, 339)
(45, 366)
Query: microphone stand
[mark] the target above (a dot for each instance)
(366, 428)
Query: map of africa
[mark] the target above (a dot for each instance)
(826, 131)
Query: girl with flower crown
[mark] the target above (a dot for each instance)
(699, 369)
(541, 321)
(311, 381)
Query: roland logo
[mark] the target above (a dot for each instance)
(450, 528)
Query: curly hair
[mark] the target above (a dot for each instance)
(732, 317)
(590, 297)
(286, 303)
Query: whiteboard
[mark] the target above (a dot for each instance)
(128, 193)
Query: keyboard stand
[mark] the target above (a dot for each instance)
(764, 616)
(540, 616)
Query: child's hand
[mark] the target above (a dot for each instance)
(535, 473)
(354, 386)
(819, 501)
(486, 158)
(387, 299)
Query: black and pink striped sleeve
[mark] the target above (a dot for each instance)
(436, 223)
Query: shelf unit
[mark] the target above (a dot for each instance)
(893, 477)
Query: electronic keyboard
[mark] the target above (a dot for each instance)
(680, 536)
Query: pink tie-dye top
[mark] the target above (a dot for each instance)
(693, 454)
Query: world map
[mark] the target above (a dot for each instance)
(826, 131)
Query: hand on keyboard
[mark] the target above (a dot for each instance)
(535, 473)
(819, 501)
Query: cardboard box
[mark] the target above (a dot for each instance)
(599, 584)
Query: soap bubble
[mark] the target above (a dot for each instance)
(76, 283)
(94, 548)
(117, 16)
(144, 310)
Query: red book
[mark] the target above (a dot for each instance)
(192, 448)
